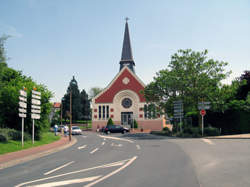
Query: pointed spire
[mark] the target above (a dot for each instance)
(127, 57)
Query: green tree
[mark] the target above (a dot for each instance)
(85, 104)
(76, 104)
(94, 92)
(244, 89)
(190, 76)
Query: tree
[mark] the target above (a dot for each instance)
(94, 92)
(244, 89)
(76, 104)
(190, 76)
(85, 104)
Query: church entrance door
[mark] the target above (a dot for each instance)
(127, 118)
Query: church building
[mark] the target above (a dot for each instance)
(122, 100)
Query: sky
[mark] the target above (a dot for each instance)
(52, 40)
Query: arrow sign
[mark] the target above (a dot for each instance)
(22, 115)
(36, 92)
(21, 110)
(35, 102)
(36, 96)
(23, 93)
(22, 104)
(35, 116)
(35, 107)
(36, 111)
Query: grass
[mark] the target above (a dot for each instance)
(12, 146)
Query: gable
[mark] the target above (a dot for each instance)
(125, 80)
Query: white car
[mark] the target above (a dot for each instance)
(75, 130)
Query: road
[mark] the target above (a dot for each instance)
(140, 160)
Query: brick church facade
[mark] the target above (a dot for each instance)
(122, 100)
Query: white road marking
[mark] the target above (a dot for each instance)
(112, 173)
(138, 147)
(49, 172)
(103, 143)
(67, 182)
(119, 163)
(208, 141)
(116, 145)
(104, 139)
(84, 136)
(82, 147)
(94, 150)
(116, 138)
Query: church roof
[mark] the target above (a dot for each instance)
(124, 80)
(126, 48)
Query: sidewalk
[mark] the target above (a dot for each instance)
(238, 136)
(13, 158)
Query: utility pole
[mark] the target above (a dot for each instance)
(70, 106)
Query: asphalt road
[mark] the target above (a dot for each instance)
(137, 160)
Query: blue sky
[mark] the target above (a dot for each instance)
(52, 40)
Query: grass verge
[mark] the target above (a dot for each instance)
(12, 146)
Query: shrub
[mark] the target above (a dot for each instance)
(3, 138)
(167, 131)
(211, 131)
(12, 134)
(135, 125)
(110, 122)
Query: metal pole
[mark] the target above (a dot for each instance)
(22, 130)
(202, 125)
(33, 131)
(70, 115)
(61, 112)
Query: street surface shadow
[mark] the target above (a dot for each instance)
(145, 136)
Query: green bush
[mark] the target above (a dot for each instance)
(110, 122)
(211, 131)
(167, 131)
(135, 125)
(3, 138)
(12, 134)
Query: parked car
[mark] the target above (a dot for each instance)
(75, 130)
(115, 129)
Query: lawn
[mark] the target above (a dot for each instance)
(12, 145)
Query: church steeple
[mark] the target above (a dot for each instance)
(127, 57)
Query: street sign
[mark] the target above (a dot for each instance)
(35, 116)
(177, 111)
(21, 115)
(36, 96)
(35, 111)
(36, 92)
(23, 93)
(35, 107)
(203, 112)
(22, 110)
(35, 102)
(22, 104)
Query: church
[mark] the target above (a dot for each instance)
(122, 100)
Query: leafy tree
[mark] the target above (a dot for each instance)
(94, 92)
(110, 122)
(244, 89)
(190, 76)
(76, 104)
(85, 103)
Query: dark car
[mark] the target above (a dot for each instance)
(115, 129)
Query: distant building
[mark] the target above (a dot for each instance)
(123, 100)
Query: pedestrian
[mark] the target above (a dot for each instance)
(65, 128)
(55, 129)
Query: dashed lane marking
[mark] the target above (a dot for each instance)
(67, 182)
(208, 141)
(138, 147)
(96, 149)
(82, 147)
(84, 136)
(116, 138)
(49, 172)
(103, 143)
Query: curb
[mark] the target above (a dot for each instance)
(36, 155)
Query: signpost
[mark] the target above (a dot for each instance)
(203, 106)
(22, 108)
(35, 109)
(178, 111)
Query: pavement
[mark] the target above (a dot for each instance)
(237, 136)
(14, 158)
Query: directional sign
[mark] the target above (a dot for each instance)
(22, 104)
(175, 102)
(36, 111)
(36, 96)
(35, 102)
(22, 99)
(21, 110)
(178, 111)
(22, 115)
(36, 92)
(35, 116)
(35, 107)
(203, 107)
(23, 93)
